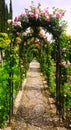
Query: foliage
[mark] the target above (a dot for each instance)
(5, 89)
(4, 41)
(4, 96)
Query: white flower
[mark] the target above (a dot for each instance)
(9, 21)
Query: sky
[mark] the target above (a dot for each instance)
(20, 5)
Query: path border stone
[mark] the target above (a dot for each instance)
(18, 98)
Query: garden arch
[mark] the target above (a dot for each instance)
(35, 18)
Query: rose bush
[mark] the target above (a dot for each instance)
(35, 16)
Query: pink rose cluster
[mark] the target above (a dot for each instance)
(59, 14)
(17, 23)
(37, 14)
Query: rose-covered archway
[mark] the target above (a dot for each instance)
(34, 20)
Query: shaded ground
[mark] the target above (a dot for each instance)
(37, 110)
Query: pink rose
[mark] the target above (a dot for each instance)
(17, 33)
(36, 13)
(24, 15)
(47, 19)
(63, 63)
(17, 18)
(44, 13)
(32, 15)
(36, 16)
(64, 50)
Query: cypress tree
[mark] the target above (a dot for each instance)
(0, 15)
(6, 16)
(10, 10)
(3, 14)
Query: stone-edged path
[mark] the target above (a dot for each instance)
(36, 110)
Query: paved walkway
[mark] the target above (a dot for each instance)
(37, 110)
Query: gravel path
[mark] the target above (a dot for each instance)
(37, 110)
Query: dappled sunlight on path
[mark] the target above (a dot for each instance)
(37, 110)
